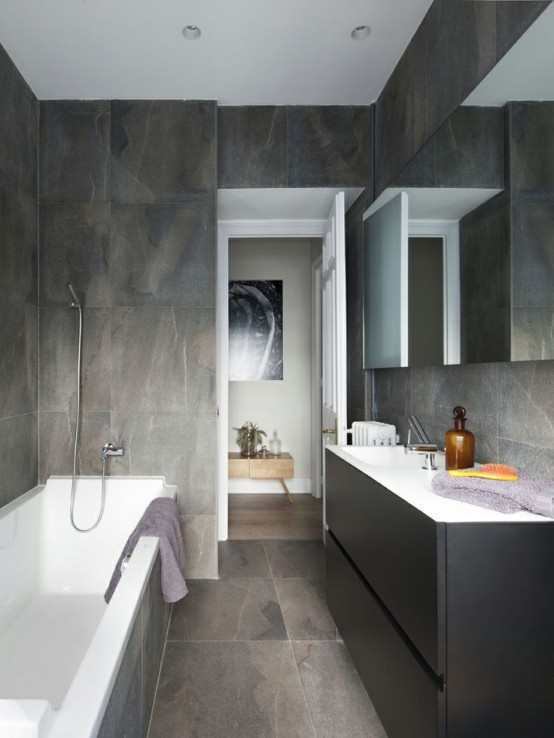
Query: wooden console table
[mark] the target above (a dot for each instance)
(257, 467)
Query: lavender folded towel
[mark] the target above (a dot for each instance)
(160, 519)
(535, 495)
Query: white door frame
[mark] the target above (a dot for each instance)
(228, 229)
(317, 484)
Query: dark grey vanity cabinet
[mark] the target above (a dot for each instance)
(449, 624)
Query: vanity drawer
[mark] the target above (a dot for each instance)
(397, 549)
(407, 700)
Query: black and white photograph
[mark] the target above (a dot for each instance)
(255, 330)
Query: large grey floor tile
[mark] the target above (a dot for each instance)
(338, 703)
(230, 690)
(305, 559)
(228, 610)
(243, 559)
(305, 610)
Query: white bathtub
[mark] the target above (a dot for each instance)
(60, 644)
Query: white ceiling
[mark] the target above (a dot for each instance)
(251, 52)
(280, 204)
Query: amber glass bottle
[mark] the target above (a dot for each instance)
(459, 443)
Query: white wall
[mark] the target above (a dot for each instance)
(284, 405)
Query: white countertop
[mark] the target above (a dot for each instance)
(402, 474)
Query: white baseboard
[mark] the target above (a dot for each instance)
(297, 486)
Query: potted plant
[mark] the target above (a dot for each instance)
(249, 437)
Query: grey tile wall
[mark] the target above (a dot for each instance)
(466, 151)
(509, 406)
(455, 46)
(18, 283)
(295, 146)
(138, 245)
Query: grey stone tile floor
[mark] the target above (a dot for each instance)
(255, 654)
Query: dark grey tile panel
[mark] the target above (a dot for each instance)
(74, 151)
(530, 460)
(400, 115)
(420, 171)
(526, 411)
(532, 250)
(18, 358)
(252, 146)
(124, 714)
(18, 126)
(163, 359)
(337, 700)
(354, 302)
(18, 236)
(228, 610)
(258, 692)
(470, 149)
(179, 446)
(19, 443)
(461, 49)
(155, 615)
(485, 258)
(299, 559)
(391, 393)
(242, 560)
(305, 610)
(163, 151)
(531, 146)
(532, 338)
(486, 337)
(74, 247)
(329, 146)
(163, 255)
(59, 344)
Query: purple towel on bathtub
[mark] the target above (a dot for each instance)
(160, 519)
(535, 495)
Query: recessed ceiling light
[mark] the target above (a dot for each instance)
(360, 32)
(191, 33)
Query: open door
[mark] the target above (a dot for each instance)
(333, 328)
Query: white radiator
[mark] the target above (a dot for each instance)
(372, 433)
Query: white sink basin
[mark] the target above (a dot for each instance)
(389, 456)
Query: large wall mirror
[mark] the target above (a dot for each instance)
(501, 141)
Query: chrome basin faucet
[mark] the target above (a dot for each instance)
(110, 449)
(423, 446)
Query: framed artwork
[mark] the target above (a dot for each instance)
(256, 330)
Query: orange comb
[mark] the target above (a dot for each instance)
(500, 472)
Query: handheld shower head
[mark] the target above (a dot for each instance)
(75, 303)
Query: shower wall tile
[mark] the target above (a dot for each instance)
(163, 151)
(57, 434)
(329, 146)
(180, 447)
(74, 151)
(529, 460)
(74, 247)
(528, 417)
(19, 442)
(163, 359)
(18, 236)
(200, 542)
(18, 126)
(18, 358)
(532, 252)
(163, 255)
(58, 346)
(252, 146)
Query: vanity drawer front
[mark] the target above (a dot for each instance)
(395, 547)
(406, 699)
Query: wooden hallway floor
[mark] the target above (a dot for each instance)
(272, 516)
